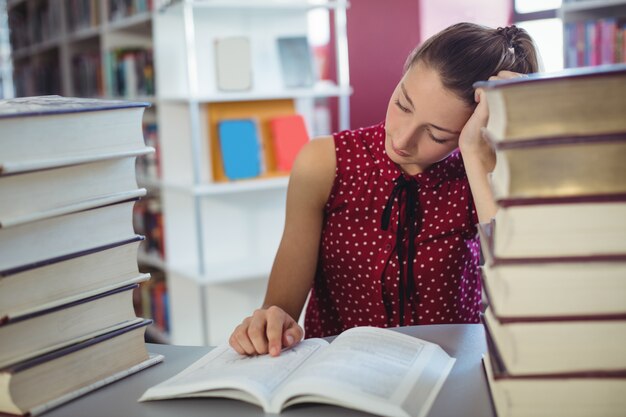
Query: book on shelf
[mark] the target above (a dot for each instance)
(35, 193)
(51, 329)
(233, 63)
(47, 381)
(148, 221)
(149, 165)
(150, 300)
(556, 288)
(49, 131)
(96, 223)
(558, 345)
(289, 135)
(110, 266)
(594, 42)
(554, 395)
(559, 228)
(240, 148)
(562, 166)
(370, 369)
(296, 62)
(129, 72)
(573, 102)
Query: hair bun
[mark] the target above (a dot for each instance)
(510, 34)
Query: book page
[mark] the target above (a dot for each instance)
(223, 371)
(375, 370)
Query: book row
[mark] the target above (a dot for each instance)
(255, 146)
(594, 42)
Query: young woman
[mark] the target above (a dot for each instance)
(381, 221)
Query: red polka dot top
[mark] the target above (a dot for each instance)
(370, 234)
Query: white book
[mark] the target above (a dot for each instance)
(48, 131)
(95, 223)
(233, 64)
(32, 192)
(374, 370)
(36, 385)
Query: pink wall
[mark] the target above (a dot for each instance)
(380, 36)
(382, 33)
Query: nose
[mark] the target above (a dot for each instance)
(406, 138)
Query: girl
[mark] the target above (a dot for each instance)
(381, 221)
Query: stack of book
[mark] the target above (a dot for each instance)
(68, 252)
(555, 253)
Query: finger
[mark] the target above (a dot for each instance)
(292, 334)
(504, 74)
(478, 93)
(256, 332)
(275, 322)
(233, 340)
(235, 345)
(245, 343)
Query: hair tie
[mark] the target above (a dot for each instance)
(510, 34)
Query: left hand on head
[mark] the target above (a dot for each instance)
(471, 140)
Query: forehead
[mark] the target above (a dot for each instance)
(431, 99)
(423, 83)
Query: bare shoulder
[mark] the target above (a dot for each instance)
(314, 168)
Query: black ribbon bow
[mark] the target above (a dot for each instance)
(409, 187)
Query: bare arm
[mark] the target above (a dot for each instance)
(275, 324)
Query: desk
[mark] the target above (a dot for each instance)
(463, 394)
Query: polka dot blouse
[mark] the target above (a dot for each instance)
(359, 279)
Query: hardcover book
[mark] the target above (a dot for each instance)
(48, 131)
(552, 228)
(558, 345)
(241, 149)
(572, 102)
(233, 63)
(47, 381)
(370, 369)
(556, 395)
(552, 287)
(107, 221)
(296, 60)
(56, 281)
(560, 167)
(47, 330)
(33, 193)
(289, 135)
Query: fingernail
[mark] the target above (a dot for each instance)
(274, 351)
(289, 340)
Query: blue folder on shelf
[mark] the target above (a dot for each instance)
(240, 146)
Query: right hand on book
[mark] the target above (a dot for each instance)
(266, 331)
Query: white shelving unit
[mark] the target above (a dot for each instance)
(221, 237)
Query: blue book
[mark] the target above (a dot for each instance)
(241, 150)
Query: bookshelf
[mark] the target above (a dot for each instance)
(594, 32)
(221, 236)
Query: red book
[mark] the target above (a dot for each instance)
(289, 135)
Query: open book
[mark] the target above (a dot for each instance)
(370, 369)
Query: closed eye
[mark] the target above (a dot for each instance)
(436, 139)
(401, 107)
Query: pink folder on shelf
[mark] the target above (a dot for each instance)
(289, 135)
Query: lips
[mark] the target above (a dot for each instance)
(400, 152)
